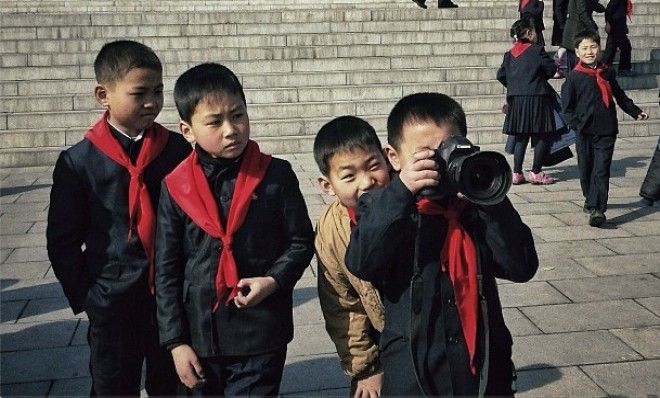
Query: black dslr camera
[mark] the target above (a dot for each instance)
(482, 177)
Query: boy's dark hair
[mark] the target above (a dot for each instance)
(201, 82)
(424, 107)
(344, 133)
(117, 58)
(521, 26)
(586, 34)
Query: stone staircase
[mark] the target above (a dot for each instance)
(301, 62)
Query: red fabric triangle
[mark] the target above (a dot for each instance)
(603, 85)
(519, 47)
(140, 209)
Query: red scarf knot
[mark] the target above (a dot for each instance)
(603, 84)
(459, 258)
(190, 189)
(141, 213)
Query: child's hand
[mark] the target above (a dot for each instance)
(420, 171)
(188, 367)
(369, 387)
(251, 291)
(642, 116)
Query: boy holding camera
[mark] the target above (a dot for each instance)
(434, 260)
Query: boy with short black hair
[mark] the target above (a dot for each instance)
(233, 238)
(105, 192)
(434, 261)
(588, 105)
(350, 158)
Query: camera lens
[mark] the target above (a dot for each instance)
(483, 177)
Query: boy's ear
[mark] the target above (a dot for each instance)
(393, 156)
(101, 95)
(325, 185)
(186, 131)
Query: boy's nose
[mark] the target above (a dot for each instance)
(366, 183)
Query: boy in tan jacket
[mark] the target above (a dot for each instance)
(349, 155)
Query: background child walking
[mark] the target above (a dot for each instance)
(616, 26)
(105, 192)
(525, 71)
(350, 158)
(533, 9)
(588, 104)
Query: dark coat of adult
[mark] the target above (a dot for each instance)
(580, 18)
(651, 185)
(534, 10)
(616, 16)
(89, 207)
(528, 73)
(584, 109)
(382, 251)
(559, 12)
(276, 239)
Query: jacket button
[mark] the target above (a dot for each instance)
(220, 245)
(454, 340)
(450, 302)
(224, 198)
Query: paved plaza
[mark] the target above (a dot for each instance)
(587, 325)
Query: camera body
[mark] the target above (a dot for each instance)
(481, 177)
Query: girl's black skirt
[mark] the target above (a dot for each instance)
(529, 114)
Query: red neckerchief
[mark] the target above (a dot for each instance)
(190, 189)
(352, 216)
(629, 9)
(603, 85)
(459, 258)
(519, 47)
(140, 210)
(523, 4)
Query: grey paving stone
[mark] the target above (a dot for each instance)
(38, 227)
(10, 218)
(642, 228)
(46, 364)
(556, 382)
(13, 289)
(312, 373)
(332, 392)
(609, 287)
(628, 379)
(651, 303)
(27, 254)
(545, 208)
(30, 336)
(560, 268)
(77, 387)
(36, 196)
(9, 198)
(641, 244)
(24, 207)
(572, 249)
(518, 324)
(37, 389)
(4, 254)
(540, 197)
(23, 240)
(578, 232)
(644, 340)
(48, 309)
(590, 316)
(33, 270)
(622, 264)
(528, 294)
(574, 348)
(307, 313)
(310, 340)
(11, 310)
(15, 228)
(542, 220)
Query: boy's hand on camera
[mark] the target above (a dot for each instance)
(420, 171)
(369, 387)
(642, 116)
(251, 291)
(188, 367)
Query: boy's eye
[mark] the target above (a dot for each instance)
(347, 177)
(237, 116)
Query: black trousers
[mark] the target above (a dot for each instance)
(594, 161)
(618, 39)
(240, 376)
(121, 340)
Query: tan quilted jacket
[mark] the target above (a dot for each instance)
(345, 299)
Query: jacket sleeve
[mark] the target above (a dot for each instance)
(623, 100)
(569, 103)
(597, 7)
(510, 241)
(501, 72)
(68, 217)
(383, 217)
(346, 320)
(548, 64)
(170, 264)
(583, 11)
(289, 267)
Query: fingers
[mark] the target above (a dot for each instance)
(421, 171)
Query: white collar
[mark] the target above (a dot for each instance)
(134, 139)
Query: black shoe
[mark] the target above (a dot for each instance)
(596, 218)
(447, 4)
(647, 202)
(587, 209)
(420, 3)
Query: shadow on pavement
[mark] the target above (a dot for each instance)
(536, 375)
(27, 188)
